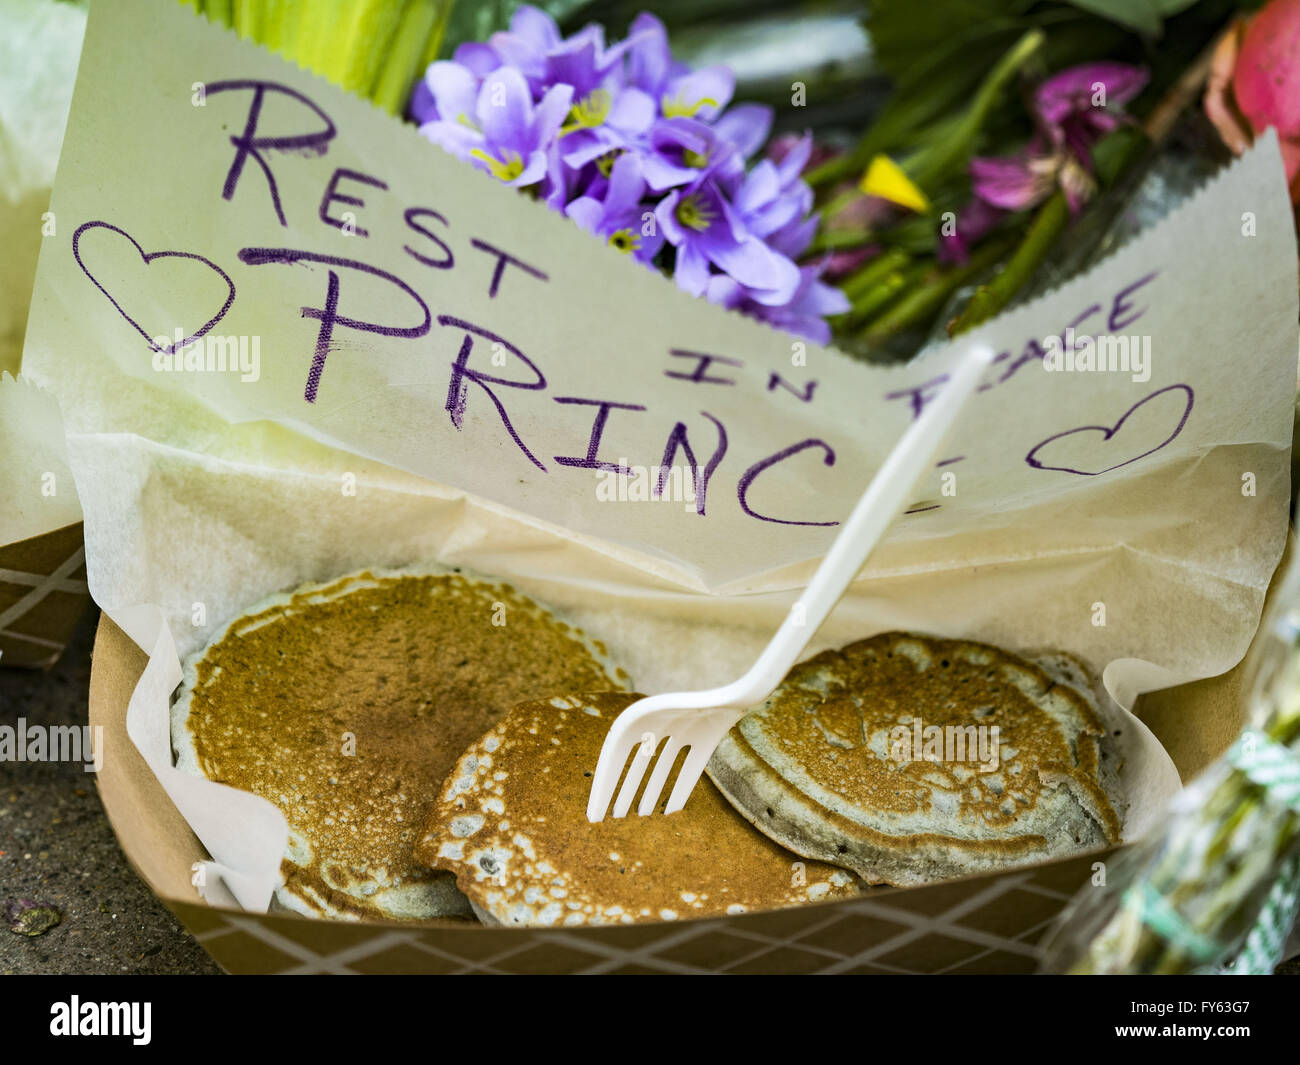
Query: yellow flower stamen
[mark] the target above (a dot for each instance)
(589, 112)
(680, 107)
(624, 240)
(698, 160)
(507, 168)
(605, 163)
(694, 214)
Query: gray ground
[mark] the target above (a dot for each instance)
(57, 849)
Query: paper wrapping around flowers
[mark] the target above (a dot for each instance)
(447, 371)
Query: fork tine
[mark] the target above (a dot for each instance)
(609, 768)
(701, 752)
(650, 797)
(635, 772)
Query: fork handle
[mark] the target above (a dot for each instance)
(886, 495)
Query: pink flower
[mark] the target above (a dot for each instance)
(1266, 79)
(1073, 110)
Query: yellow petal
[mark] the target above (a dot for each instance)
(885, 178)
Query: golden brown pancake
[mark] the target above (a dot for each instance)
(511, 823)
(883, 757)
(346, 705)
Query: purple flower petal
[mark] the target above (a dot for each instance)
(746, 126)
(974, 222)
(772, 277)
(505, 109)
(454, 89)
(1073, 89)
(536, 27)
(633, 111)
(1014, 182)
(478, 58)
(626, 185)
(460, 140)
(649, 61)
(550, 113)
(692, 270)
(700, 94)
(423, 108)
(587, 212)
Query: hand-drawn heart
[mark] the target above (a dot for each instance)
(148, 258)
(1038, 461)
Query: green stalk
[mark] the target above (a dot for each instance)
(1039, 238)
(837, 239)
(867, 275)
(220, 11)
(881, 295)
(925, 301)
(374, 48)
(951, 150)
(421, 22)
(1112, 156)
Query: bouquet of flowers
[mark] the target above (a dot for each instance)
(642, 152)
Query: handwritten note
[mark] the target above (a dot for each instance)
(237, 236)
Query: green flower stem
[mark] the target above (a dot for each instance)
(989, 299)
(951, 150)
(219, 11)
(416, 47)
(250, 19)
(838, 239)
(374, 48)
(881, 295)
(948, 155)
(925, 301)
(862, 280)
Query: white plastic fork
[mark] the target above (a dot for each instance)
(699, 720)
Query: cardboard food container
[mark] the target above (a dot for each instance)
(980, 924)
(42, 595)
(43, 588)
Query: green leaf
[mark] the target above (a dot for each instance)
(1144, 16)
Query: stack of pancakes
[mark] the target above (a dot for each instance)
(346, 704)
(421, 734)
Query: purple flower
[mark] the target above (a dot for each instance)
(685, 151)
(1073, 109)
(804, 314)
(678, 91)
(642, 152)
(619, 217)
(1082, 104)
(772, 195)
(497, 127)
(705, 231)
